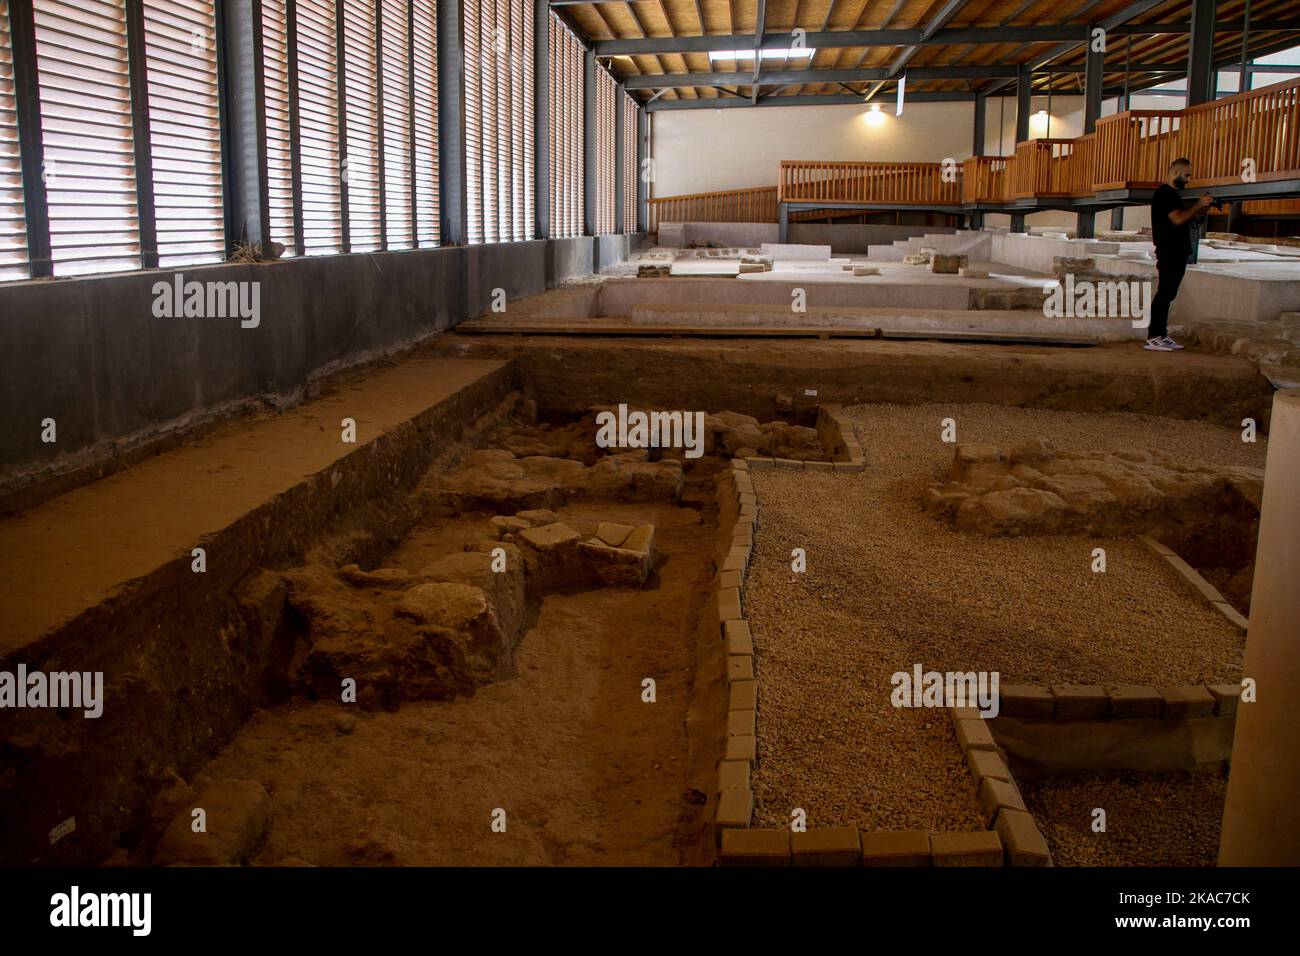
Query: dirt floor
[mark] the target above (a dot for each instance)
(1151, 819)
(586, 772)
(888, 586)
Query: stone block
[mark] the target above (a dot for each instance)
(238, 816)
(948, 265)
(728, 605)
(1135, 702)
(980, 848)
(1226, 698)
(613, 534)
(760, 463)
(827, 846)
(743, 695)
(819, 466)
(996, 794)
(742, 748)
(733, 775)
(987, 763)
(1080, 701)
(758, 848)
(738, 638)
(735, 807)
(789, 464)
(740, 667)
(1187, 702)
(1025, 700)
(974, 735)
(895, 848)
(1235, 617)
(741, 723)
(1024, 843)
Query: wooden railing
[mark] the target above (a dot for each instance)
(1271, 207)
(987, 179)
(885, 183)
(1262, 125)
(736, 205)
(1130, 150)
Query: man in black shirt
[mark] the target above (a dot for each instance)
(1171, 228)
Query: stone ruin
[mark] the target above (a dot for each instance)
(1031, 488)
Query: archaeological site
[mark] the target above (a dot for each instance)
(654, 434)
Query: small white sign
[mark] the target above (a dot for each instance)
(810, 392)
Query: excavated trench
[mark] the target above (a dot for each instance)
(457, 670)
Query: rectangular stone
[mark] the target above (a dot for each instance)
(1154, 545)
(734, 808)
(760, 463)
(742, 748)
(790, 464)
(1135, 702)
(981, 848)
(1025, 700)
(986, 763)
(1024, 843)
(827, 846)
(744, 483)
(964, 713)
(733, 775)
(1187, 702)
(728, 605)
(741, 723)
(895, 848)
(730, 579)
(1080, 701)
(1226, 697)
(749, 498)
(818, 466)
(738, 637)
(739, 464)
(1192, 578)
(849, 466)
(996, 794)
(758, 848)
(740, 667)
(974, 735)
(743, 695)
(1235, 617)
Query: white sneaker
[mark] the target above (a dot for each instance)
(1171, 343)
(1157, 345)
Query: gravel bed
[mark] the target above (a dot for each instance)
(1151, 819)
(888, 586)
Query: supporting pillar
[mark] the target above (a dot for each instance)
(1085, 225)
(1200, 54)
(454, 207)
(783, 220)
(977, 147)
(1117, 218)
(1092, 88)
(542, 114)
(1024, 97)
(1264, 785)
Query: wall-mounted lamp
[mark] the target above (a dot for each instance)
(874, 116)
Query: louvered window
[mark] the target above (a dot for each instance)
(499, 119)
(185, 130)
(279, 155)
(13, 229)
(318, 121)
(395, 100)
(566, 163)
(606, 166)
(630, 116)
(86, 127)
(361, 164)
(424, 48)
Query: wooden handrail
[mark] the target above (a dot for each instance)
(1128, 150)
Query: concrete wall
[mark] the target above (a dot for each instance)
(89, 353)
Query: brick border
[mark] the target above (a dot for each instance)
(1012, 838)
(838, 441)
(1192, 578)
(1117, 701)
